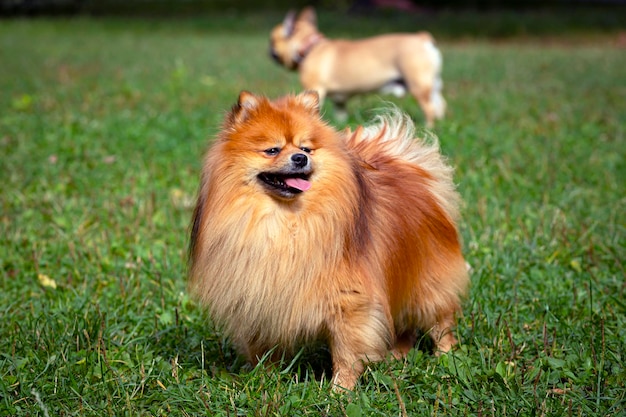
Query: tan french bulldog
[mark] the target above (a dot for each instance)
(339, 69)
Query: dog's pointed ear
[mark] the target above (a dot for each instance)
(289, 22)
(308, 14)
(310, 100)
(246, 103)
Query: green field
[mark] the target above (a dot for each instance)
(103, 123)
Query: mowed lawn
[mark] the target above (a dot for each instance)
(103, 123)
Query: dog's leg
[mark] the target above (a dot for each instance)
(429, 97)
(442, 333)
(339, 106)
(255, 352)
(422, 90)
(436, 98)
(359, 334)
(341, 114)
(404, 343)
(339, 103)
(423, 79)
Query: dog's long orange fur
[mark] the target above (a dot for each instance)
(362, 259)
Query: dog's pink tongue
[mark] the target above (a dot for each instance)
(298, 183)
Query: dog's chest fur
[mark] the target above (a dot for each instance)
(266, 271)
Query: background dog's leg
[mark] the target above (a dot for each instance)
(436, 98)
(341, 114)
(425, 86)
(422, 91)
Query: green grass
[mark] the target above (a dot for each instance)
(102, 128)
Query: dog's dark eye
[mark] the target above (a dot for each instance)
(305, 149)
(272, 151)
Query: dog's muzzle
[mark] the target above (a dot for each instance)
(291, 181)
(275, 56)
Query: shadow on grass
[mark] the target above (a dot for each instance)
(201, 346)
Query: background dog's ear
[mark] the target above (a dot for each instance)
(308, 14)
(310, 100)
(289, 22)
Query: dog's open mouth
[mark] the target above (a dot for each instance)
(285, 185)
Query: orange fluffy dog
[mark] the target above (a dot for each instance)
(304, 233)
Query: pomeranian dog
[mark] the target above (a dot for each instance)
(302, 233)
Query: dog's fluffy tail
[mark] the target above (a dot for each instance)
(392, 135)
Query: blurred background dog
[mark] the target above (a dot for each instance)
(339, 69)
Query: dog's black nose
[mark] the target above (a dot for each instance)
(274, 55)
(300, 160)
